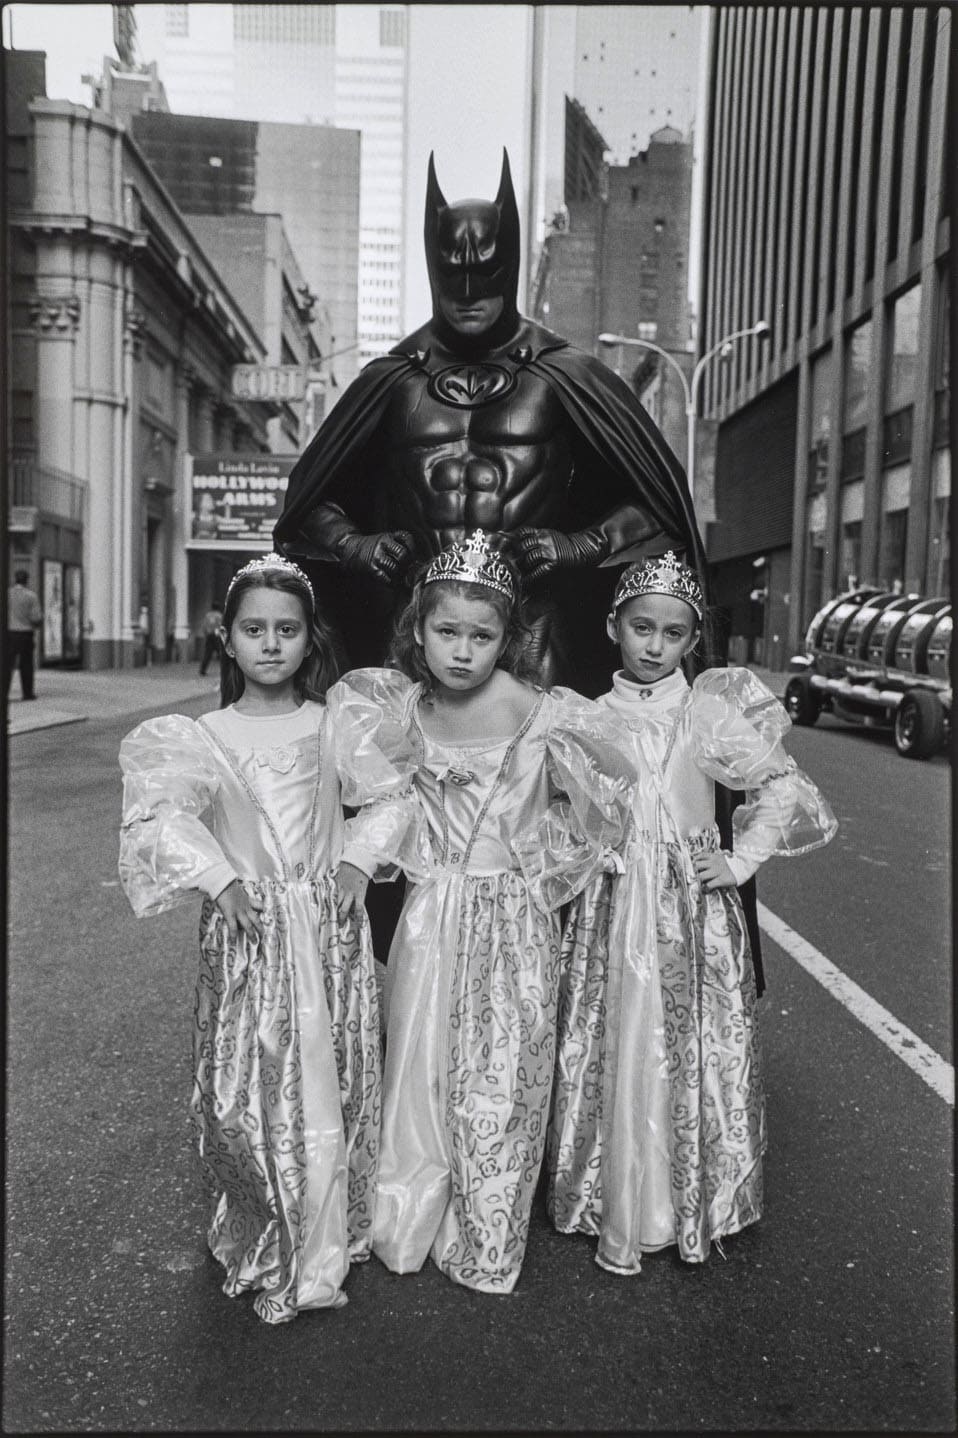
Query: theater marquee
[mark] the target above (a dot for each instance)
(234, 500)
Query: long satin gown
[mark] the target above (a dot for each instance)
(286, 1095)
(510, 830)
(657, 1132)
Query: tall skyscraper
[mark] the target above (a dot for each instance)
(308, 174)
(632, 68)
(340, 65)
(826, 214)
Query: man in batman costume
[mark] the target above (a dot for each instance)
(483, 418)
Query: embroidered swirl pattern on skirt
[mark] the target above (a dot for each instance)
(499, 1068)
(352, 995)
(716, 1097)
(271, 1136)
(573, 1149)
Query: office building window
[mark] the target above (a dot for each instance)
(853, 454)
(850, 558)
(176, 19)
(285, 24)
(392, 29)
(903, 350)
(893, 537)
(893, 526)
(941, 526)
(896, 435)
(858, 359)
(820, 419)
(942, 364)
(814, 556)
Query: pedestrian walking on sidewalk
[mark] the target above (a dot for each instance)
(287, 1044)
(212, 643)
(24, 617)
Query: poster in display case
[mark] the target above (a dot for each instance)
(72, 612)
(52, 611)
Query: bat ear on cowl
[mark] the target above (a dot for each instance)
(435, 199)
(506, 199)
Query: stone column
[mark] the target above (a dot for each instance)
(56, 319)
(180, 572)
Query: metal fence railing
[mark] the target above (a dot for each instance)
(52, 490)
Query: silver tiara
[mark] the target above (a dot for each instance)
(272, 564)
(472, 562)
(664, 575)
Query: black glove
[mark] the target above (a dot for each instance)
(385, 556)
(540, 551)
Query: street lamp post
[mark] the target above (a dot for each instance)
(690, 390)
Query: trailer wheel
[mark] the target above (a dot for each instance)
(919, 725)
(801, 701)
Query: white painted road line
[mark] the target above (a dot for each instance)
(907, 1046)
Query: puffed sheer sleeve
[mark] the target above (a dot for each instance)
(166, 851)
(592, 775)
(377, 759)
(737, 730)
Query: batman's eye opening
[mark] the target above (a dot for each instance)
(453, 267)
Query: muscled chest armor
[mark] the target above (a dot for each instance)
(468, 446)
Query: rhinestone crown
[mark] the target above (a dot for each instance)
(272, 564)
(664, 575)
(472, 562)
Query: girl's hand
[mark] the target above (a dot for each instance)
(239, 911)
(352, 884)
(712, 871)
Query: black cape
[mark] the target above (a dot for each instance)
(619, 455)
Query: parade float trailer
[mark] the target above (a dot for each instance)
(880, 660)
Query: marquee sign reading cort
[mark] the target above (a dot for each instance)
(235, 499)
(268, 382)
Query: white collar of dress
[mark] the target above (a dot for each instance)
(632, 695)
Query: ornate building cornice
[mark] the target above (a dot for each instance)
(55, 314)
(134, 328)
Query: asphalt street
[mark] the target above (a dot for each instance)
(833, 1314)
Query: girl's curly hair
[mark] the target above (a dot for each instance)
(407, 655)
(319, 668)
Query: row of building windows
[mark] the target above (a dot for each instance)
(815, 106)
(306, 24)
(899, 381)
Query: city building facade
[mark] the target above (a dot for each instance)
(122, 341)
(616, 260)
(307, 174)
(632, 68)
(342, 66)
(825, 215)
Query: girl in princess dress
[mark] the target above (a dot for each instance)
(657, 1133)
(472, 976)
(287, 1083)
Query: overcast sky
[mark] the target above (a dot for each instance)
(467, 72)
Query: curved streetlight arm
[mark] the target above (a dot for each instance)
(760, 328)
(609, 339)
(333, 354)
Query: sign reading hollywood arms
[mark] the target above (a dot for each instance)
(235, 499)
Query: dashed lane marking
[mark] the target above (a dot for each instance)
(921, 1059)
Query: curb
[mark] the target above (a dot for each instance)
(47, 721)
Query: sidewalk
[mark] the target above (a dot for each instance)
(69, 696)
(774, 678)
